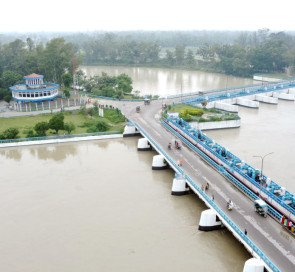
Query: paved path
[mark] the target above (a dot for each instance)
(266, 233)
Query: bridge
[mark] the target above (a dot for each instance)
(266, 240)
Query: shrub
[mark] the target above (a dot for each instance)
(69, 127)
(198, 112)
(203, 120)
(215, 118)
(10, 133)
(41, 128)
(99, 126)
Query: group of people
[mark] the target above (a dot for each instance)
(287, 223)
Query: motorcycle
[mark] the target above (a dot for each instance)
(169, 146)
(230, 205)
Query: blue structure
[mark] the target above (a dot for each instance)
(233, 167)
(34, 90)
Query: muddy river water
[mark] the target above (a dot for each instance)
(98, 206)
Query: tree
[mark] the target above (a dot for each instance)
(10, 78)
(69, 127)
(189, 58)
(124, 83)
(57, 122)
(179, 54)
(102, 125)
(58, 58)
(67, 79)
(66, 93)
(41, 129)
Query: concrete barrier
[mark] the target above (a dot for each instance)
(216, 125)
(226, 107)
(284, 96)
(62, 140)
(247, 103)
(266, 99)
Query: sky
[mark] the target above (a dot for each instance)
(123, 15)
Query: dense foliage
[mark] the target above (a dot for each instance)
(245, 54)
(19, 58)
(231, 52)
(110, 86)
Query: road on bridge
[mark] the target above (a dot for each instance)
(266, 233)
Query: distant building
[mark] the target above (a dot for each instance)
(34, 90)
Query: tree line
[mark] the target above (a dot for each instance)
(19, 58)
(238, 53)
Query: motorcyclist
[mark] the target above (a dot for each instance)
(169, 146)
(230, 205)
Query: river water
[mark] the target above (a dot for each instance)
(98, 206)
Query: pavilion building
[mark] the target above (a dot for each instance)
(34, 90)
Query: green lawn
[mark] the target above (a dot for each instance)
(23, 123)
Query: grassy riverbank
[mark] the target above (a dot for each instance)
(82, 121)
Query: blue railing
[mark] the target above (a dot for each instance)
(244, 91)
(175, 166)
(251, 244)
(271, 195)
(117, 99)
(222, 170)
(58, 137)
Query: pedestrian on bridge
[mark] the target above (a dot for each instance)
(245, 232)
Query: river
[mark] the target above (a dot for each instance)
(98, 206)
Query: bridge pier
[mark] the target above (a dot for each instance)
(209, 221)
(179, 186)
(159, 163)
(226, 107)
(266, 99)
(284, 96)
(247, 103)
(143, 145)
(253, 265)
(130, 130)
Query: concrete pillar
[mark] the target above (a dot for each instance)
(226, 107)
(253, 265)
(266, 99)
(209, 221)
(284, 96)
(159, 163)
(143, 145)
(247, 103)
(130, 130)
(179, 186)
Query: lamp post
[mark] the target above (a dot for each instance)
(261, 174)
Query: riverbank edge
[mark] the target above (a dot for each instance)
(61, 140)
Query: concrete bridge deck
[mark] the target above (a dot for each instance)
(266, 233)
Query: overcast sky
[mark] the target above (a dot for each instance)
(111, 15)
